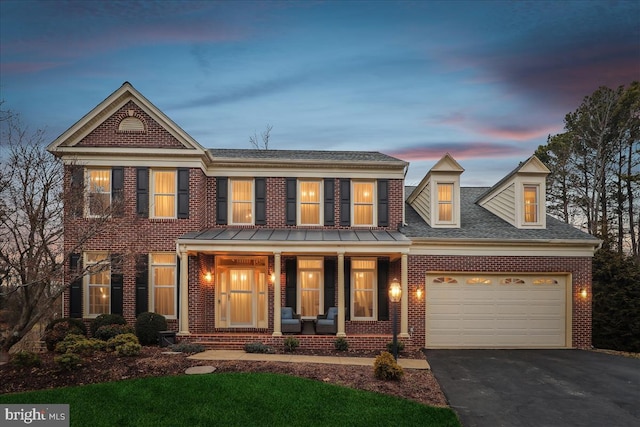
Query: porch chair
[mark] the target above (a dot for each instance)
(290, 321)
(327, 323)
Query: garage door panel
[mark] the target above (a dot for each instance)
(505, 313)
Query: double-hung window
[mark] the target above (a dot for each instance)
(363, 203)
(310, 197)
(531, 204)
(364, 279)
(241, 197)
(163, 276)
(97, 284)
(310, 278)
(98, 192)
(445, 202)
(163, 193)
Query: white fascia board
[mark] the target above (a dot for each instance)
(303, 171)
(556, 248)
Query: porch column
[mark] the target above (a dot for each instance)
(184, 293)
(277, 324)
(404, 302)
(341, 299)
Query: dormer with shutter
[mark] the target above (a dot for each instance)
(519, 198)
(437, 197)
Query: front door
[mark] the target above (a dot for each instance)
(241, 292)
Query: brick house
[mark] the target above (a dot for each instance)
(219, 240)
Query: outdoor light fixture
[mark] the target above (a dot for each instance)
(395, 293)
(419, 292)
(272, 277)
(207, 276)
(583, 292)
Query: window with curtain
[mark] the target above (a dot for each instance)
(530, 203)
(164, 193)
(363, 197)
(241, 198)
(363, 288)
(163, 278)
(445, 202)
(98, 191)
(310, 280)
(98, 283)
(309, 202)
(242, 292)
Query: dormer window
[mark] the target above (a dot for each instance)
(530, 204)
(445, 203)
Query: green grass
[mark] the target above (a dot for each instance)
(233, 399)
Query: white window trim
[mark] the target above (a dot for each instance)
(152, 294)
(320, 288)
(453, 203)
(230, 201)
(87, 199)
(152, 193)
(320, 202)
(541, 208)
(374, 216)
(374, 314)
(86, 285)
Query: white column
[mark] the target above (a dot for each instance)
(404, 302)
(341, 298)
(184, 293)
(277, 326)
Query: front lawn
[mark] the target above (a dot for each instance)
(232, 399)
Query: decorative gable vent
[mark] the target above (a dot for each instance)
(131, 124)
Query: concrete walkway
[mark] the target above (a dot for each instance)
(295, 358)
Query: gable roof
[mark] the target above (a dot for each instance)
(532, 165)
(227, 154)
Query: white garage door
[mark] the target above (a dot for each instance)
(496, 311)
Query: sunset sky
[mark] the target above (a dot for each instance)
(484, 81)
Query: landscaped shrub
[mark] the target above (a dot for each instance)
(68, 361)
(125, 345)
(79, 344)
(290, 344)
(187, 347)
(258, 347)
(25, 359)
(106, 332)
(341, 344)
(148, 325)
(58, 329)
(385, 367)
(390, 346)
(104, 320)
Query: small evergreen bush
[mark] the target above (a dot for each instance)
(104, 320)
(79, 344)
(25, 359)
(290, 344)
(258, 347)
(58, 329)
(390, 346)
(385, 367)
(341, 344)
(68, 361)
(148, 325)
(187, 347)
(128, 349)
(120, 340)
(106, 332)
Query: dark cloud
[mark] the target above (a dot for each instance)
(468, 150)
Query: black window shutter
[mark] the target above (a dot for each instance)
(221, 200)
(328, 202)
(291, 200)
(183, 192)
(178, 285)
(383, 283)
(117, 281)
(329, 283)
(383, 203)
(345, 202)
(290, 295)
(77, 190)
(75, 290)
(261, 200)
(347, 289)
(142, 192)
(117, 191)
(142, 284)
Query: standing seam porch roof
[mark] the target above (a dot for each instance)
(247, 235)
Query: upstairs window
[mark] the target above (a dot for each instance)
(163, 186)
(363, 203)
(241, 197)
(531, 203)
(445, 203)
(309, 195)
(98, 192)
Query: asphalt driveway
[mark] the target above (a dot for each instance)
(539, 387)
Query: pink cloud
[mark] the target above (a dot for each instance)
(458, 151)
(26, 67)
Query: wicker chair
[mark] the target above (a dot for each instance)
(290, 321)
(327, 323)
